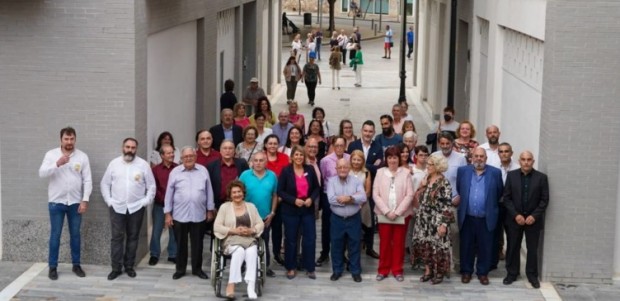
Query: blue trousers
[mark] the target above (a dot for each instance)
(292, 226)
(326, 213)
(158, 227)
(57, 218)
(476, 242)
(346, 230)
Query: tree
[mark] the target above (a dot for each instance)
(332, 24)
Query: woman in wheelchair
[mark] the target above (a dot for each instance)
(299, 189)
(239, 225)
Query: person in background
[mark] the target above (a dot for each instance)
(249, 145)
(388, 43)
(346, 131)
(240, 118)
(334, 64)
(263, 131)
(318, 37)
(226, 129)
(293, 138)
(311, 76)
(252, 93)
(296, 118)
(292, 75)
(315, 131)
(205, 153)
(465, 143)
(410, 39)
(359, 171)
(408, 126)
(328, 128)
(163, 139)
(228, 98)
(359, 64)
(264, 106)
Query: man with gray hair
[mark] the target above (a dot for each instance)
(188, 203)
(227, 129)
(346, 196)
(281, 128)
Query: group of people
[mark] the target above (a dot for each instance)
(243, 180)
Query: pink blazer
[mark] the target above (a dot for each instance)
(404, 192)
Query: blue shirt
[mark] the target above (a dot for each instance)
(387, 142)
(260, 191)
(189, 194)
(477, 196)
(410, 37)
(228, 133)
(351, 186)
(281, 132)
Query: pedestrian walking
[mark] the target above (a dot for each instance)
(388, 43)
(311, 75)
(334, 64)
(292, 74)
(358, 64)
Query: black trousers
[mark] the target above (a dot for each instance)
(499, 235)
(326, 213)
(196, 234)
(311, 86)
(125, 234)
(276, 232)
(344, 55)
(513, 259)
(369, 232)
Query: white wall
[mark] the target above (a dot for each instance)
(1, 241)
(226, 43)
(171, 84)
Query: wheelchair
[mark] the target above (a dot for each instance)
(218, 266)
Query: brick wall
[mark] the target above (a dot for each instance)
(80, 63)
(579, 140)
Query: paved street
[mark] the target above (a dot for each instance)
(379, 92)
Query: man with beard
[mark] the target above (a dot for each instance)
(480, 187)
(492, 145)
(388, 136)
(455, 160)
(205, 153)
(127, 187)
(70, 185)
(188, 203)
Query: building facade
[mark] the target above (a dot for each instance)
(545, 72)
(114, 69)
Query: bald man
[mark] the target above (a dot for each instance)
(526, 196)
(480, 187)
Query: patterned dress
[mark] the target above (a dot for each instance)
(435, 210)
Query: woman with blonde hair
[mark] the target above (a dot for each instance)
(431, 235)
(359, 171)
(464, 142)
(239, 113)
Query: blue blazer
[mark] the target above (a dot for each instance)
(494, 188)
(287, 190)
(375, 152)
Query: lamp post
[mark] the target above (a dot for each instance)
(403, 43)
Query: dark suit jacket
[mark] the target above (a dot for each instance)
(537, 200)
(287, 190)
(217, 131)
(493, 186)
(375, 152)
(215, 173)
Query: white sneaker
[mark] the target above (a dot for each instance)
(251, 292)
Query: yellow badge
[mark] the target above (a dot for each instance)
(137, 177)
(77, 167)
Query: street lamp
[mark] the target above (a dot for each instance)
(403, 43)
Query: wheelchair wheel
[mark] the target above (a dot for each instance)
(214, 261)
(218, 287)
(262, 258)
(259, 288)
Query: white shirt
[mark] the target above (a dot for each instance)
(492, 155)
(128, 186)
(513, 165)
(296, 45)
(70, 183)
(455, 160)
(261, 137)
(418, 176)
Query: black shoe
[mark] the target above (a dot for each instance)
(372, 254)
(535, 283)
(357, 278)
(270, 273)
(201, 275)
(509, 280)
(130, 272)
(172, 259)
(77, 270)
(177, 275)
(335, 277)
(321, 260)
(153, 260)
(114, 274)
(53, 274)
(278, 259)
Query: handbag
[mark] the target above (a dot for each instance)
(382, 219)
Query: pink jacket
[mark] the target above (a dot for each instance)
(404, 192)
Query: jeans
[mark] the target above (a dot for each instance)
(57, 217)
(158, 227)
(276, 232)
(125, 235)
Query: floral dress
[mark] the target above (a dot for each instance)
(435, 210)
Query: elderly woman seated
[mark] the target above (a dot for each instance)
(239, 225)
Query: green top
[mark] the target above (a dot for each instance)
(358, 57)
